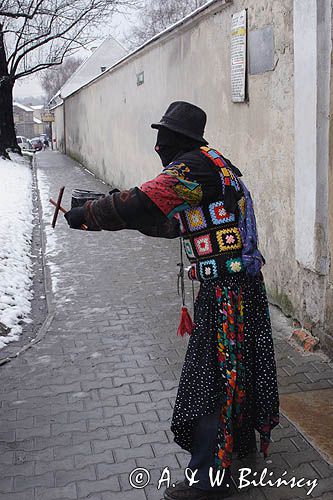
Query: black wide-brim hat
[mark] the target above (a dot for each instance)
(184, 118)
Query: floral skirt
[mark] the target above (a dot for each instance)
(229, 365)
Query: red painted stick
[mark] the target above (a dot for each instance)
(58, 205)
(61, 209)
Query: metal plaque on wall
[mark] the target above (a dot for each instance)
(238, 56)
(261, 50)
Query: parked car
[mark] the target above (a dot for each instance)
(23, 142)
(37, 144)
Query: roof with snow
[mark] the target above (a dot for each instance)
(37, 120)
(37, 106)
(22, 106)
(103, 57)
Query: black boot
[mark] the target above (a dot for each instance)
(182, 491)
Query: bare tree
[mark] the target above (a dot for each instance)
(38, 34)
(52, 79)
(157, 15)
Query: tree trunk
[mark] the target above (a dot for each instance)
(7, 127)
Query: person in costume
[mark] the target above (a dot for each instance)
(228, 385)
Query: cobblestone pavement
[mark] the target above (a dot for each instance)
(92, 400)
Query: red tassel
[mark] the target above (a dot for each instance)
(264, 448)
(186, 324)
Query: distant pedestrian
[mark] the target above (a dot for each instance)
(45, 144)
(228, 387)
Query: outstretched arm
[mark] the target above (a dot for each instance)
(130, 209)
(150, 209)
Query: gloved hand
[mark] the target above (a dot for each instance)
(75, 217)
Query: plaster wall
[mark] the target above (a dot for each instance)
(108, 129)
(58, 129)
(329, 294)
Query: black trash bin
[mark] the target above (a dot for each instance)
(80, 196)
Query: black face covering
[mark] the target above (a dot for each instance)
(170, 144)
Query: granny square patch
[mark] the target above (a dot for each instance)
(188, 249)
(208, 269)
(219, 214)
(203, 245)
(229, 239)
(195, 219)
(235, 265)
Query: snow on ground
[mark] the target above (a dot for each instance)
(15, 246)
(52, 248)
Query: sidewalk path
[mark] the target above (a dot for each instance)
(93, 399)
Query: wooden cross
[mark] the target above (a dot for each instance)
(59, 208)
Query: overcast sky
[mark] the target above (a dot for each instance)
(30, 86)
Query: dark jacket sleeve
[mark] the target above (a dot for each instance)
(130, 209)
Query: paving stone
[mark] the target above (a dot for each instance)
(103, 423)
(82, 437)
(54, 465)
(294, 459)
(135, 379)
(66, 492)
(70, 451)
(324, 486)
(31, 456)
(111, 444)
(17, 424)
(283, 446)
(111, 411)
(155, 425)
(140, 417)
(145, 387)
(93, 404)
(75, 416)
(156, 405)
(156, 437)
(125, 495)
(311, 386)
(83, 460)
(283, 432)
(41, 420)
(85, 488)
(105, 470)
(322, 468)
(159, 462)
(23, 482)
(6, 484)
(144, 451)
(64, 428)
(64, 477)
(134, 398)
(22, 495)
(104, 394)
(326, 496)
(25, 444)
(60, 440)
(8, 436)
(126, 430)
(24, 469)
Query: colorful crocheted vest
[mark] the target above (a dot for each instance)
(211, 237)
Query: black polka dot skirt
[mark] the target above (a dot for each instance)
(230, 366)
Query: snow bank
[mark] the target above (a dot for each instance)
(15, 246)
